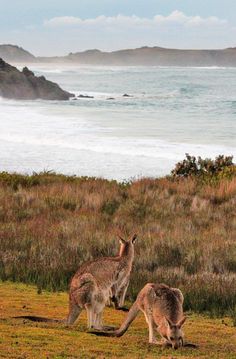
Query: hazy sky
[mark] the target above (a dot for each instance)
(48, 27)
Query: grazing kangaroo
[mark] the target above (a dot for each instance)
(95, 282)
(163, 310)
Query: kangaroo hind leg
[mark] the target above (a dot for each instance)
(122, 294)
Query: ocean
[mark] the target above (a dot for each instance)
(169, 112)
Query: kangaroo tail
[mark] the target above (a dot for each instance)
(40, 319)
(133, 312)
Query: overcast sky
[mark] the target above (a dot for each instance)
(57, 27)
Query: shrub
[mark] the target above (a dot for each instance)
(110, 207)
(192, 166)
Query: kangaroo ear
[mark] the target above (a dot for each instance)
(122, 240)
(181, 322)
(134, 238)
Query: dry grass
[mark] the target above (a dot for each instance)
(50, 224)
(23, 339)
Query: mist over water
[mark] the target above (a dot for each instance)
(172, 111)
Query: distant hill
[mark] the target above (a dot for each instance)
(144, 56)
(13, 53)
(157, 56)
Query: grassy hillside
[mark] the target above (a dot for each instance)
(23, 339)
(50, 224)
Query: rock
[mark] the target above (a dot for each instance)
(27, 72)
(85, 96)
(24, 85)
(126, 95)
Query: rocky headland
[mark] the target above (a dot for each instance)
(24, 85)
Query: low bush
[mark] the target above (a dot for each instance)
(221, 166)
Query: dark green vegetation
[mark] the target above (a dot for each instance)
(50, 224)
(207, 169)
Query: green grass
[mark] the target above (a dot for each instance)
(216, 338)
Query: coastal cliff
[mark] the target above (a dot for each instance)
(24, 85)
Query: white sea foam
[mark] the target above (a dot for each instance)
(171, 112)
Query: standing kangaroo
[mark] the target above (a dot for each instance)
(163, 310)
(95, 282)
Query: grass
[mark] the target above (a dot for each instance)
(216, 338)
(50, 224)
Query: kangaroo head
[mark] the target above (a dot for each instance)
(174, 333)
(127, 246)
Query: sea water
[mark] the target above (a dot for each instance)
(169, 112)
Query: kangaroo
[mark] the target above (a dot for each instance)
(118, 294)
(118, 291)
(106, 277)
(94, 283)
(163, 310)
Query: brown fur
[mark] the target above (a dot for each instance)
(163, 310)
(96, 281)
